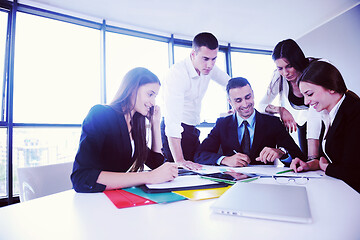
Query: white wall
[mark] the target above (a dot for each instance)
(339, 42)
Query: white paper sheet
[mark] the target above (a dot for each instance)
(264, 170)
(273, 171)
(182, 181)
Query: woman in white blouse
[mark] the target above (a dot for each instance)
(294, 113)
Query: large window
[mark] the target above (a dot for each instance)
(256, 68)
(57, 70)
(124, 53)
(42, 146)
(56, 80)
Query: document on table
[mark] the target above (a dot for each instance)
(182, 182)
(207, 169)
(273, 171)
(262, 170)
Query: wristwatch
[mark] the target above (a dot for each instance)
(286, 154)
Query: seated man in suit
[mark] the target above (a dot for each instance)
(247, 136)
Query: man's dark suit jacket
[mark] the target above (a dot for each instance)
(343, 143)
(104, 146)
(269, 132)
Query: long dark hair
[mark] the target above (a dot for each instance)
(327, 76)
(290, 50)
(122, 104)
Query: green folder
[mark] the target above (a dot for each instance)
(166, 197)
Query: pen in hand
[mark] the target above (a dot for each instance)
(247, 161)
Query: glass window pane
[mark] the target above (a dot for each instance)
(3, 29)
(57, 70)
(43, 146)
(124, 53)
(181, 53)
(256, 68)
(214, 102)
(3, 157)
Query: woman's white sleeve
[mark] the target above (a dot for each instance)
(313, 124)
(271, 93)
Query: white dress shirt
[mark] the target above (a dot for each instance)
(328, 119)
(183, 91)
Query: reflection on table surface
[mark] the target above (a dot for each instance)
(68, 215)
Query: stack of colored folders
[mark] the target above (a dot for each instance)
(201, 194)
(134, 196)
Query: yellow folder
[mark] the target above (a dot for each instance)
(200, 194)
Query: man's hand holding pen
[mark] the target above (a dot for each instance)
(236, 160)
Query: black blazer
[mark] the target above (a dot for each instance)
(104, 146)
(269, 132)
(343, 143)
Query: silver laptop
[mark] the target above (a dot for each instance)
(267, 201)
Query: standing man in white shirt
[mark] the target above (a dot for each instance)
(184, 87)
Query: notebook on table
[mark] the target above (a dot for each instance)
(267, 201)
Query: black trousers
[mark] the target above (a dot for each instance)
(302, 139)
(189, 142)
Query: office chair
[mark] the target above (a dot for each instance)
(41, 181)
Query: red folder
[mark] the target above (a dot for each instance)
(124, 199)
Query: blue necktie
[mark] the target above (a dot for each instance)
(245, 142)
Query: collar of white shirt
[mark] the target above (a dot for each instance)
(191, 69)
(328, 117)
(335, 109)
(250, 120)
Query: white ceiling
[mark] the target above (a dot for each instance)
(243, 23)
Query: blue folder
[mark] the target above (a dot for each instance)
(165, 197)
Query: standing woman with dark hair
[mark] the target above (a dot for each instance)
(113, 147)
(294, 113)
(324, 88)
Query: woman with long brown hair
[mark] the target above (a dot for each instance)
(113, 146)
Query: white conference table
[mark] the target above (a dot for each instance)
(335, 208)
